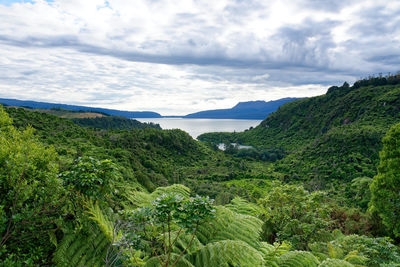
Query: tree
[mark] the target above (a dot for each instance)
(293, 214)
(92, 177)
(385, 188)
(30, 195)
(171, 219)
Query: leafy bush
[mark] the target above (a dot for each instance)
(31, 195)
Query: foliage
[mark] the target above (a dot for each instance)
(335, 263)
(161, 225)
(87, 247)
(291, 213)
(244, 207)
(149, 157)
(359, 250)
(385, 186)
(298, 259)
(210, 255)
(113, 122)
(99, 202)
(92, 177)
(141, 199)
(336, 136)
(31, 194)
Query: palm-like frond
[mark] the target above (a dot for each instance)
(85, 248)
(140, 199)
(102, 220)
(335, 263)
(229, 225)
(298, 259)
(227, 253)
(241, 206)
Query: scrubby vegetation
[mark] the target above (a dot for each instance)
(108, 196)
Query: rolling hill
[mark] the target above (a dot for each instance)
(45, 105)
(252, 110)
(329, 138)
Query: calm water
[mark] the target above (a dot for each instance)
(195, 127)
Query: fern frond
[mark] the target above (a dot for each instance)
(183, 241)
(241, 206)
(183, 262)
(85, 248)
(271, 253)
(96, 214)
(355, 259)
(226, 253)
(335, 263)
(298, 259)
(141, 199)
(334, 252)
(229, 225)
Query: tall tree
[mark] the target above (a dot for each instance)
(385, 187)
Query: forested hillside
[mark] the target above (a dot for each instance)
(328, 138)
(101, 196)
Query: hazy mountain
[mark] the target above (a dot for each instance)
(45, 105)
(253, 110)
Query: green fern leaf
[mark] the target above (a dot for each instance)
(85, 248)
(141, 199)
(96, 214)
(298, 259)
(227, 253)
(229, 225)
(244, 207)
(155, 262)
(335, 263)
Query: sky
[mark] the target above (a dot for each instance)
(179, 57)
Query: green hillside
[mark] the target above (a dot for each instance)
(151, 156)
(83, 196)
(333, 137)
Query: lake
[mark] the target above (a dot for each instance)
(195, 127)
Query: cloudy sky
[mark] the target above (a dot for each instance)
(182, 56)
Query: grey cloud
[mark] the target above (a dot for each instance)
(390, 59)
(29, 72)
(378, 21)
(212, 48)
(307, 44)
(327, 5)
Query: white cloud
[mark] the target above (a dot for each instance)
(180, 57)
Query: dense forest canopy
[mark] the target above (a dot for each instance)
(318, 188)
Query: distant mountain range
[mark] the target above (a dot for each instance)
(113, 112)
(252, 110)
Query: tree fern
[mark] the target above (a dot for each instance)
(155, 262)
(229, 225)
(183, 241)
(97, 215)
(298, 259)
(85, 248)
(242, 206)
(332, 250)
(271, 253)
(335, 263)
(354, 258)
(140, 199)
(227, 253)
